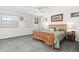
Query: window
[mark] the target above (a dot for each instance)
(9, 21)
(0, 21)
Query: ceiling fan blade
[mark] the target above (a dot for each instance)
(39, 9)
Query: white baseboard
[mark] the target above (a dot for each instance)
(76, 40)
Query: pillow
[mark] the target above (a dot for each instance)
(51, 29)
(61, 29)
(55, 29)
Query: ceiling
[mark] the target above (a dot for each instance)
(24, 9)
(33, 9)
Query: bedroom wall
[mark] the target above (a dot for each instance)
(23, 27)
(66, 11)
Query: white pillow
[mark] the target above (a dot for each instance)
(51, 29)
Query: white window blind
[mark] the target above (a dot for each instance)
(9, 21)
(0, 23)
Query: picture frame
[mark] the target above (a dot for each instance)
(75, 14)
(21, 18)
(36, 20)
(44, 20)
(56, 18)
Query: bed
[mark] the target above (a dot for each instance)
(53, 36)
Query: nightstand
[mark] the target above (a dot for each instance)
(70, 35)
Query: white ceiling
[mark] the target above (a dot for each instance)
(32, 9)
(22, 9)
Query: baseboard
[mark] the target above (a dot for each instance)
(77, 40)
(17, 36)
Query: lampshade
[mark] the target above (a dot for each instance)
(70, 26)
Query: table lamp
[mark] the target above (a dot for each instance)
(70, 26)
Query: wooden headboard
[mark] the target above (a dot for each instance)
(60, 26)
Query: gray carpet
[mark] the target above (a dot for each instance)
(27, 44)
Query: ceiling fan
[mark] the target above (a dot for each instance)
(39, 9)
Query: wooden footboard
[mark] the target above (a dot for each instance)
(44, 36)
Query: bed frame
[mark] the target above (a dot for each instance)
(60, 26)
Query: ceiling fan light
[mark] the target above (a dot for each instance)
(37, 10)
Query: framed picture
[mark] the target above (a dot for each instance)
(44, 20)
(76, 14)
(36, 20)
(21, 18)
(58, 17)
